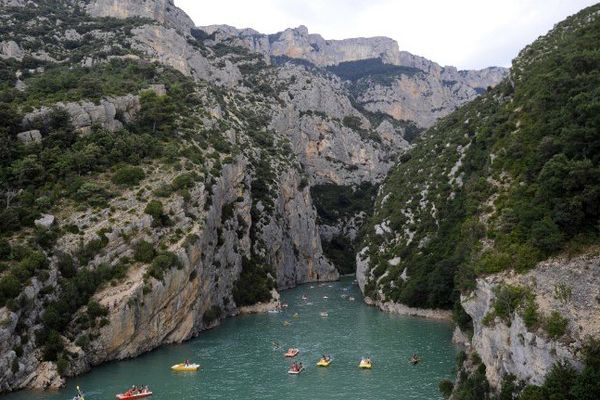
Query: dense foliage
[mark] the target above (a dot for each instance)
(254, 284)
(338, 204)
(517, 169)
(373, 68)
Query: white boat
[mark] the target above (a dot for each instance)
(325, 297)
(323, 314)
(295, 372)
(351, 298)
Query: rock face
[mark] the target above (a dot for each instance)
(569, 287)
(331, 151)
(45, 221)
(422, 93)
(163, 11)
(166, 45)
(32, 136)
(85, 114)
(11, 49)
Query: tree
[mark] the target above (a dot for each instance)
(156, 113)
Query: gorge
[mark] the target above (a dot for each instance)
(158, 177)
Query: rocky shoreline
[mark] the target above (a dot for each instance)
(401, 309)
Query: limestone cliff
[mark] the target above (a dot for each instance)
(163, 11)
(422, 92)
(567, 286)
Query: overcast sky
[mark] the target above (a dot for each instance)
(464, 33)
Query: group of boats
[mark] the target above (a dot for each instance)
(326, 360)
(139, 392)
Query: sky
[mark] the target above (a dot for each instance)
(468, 34)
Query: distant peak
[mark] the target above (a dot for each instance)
(302, 29)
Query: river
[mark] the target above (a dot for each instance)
(240, 358)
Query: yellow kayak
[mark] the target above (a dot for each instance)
(185, 368)
(365, 364)
(324, 363)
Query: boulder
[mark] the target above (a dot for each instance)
(11, 49)
(46, 221)
(32, 136)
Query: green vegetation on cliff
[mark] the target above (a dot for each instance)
(504, 182)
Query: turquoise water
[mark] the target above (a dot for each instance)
(240, 362)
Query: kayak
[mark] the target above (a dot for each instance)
(295, 372)
(124, 396)
(292, 353)
(324, 363)
(365, 364)
(185, 368)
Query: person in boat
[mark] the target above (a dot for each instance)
(187, 362)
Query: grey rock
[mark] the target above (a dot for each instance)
(168, 46)
(11, 49)
(46, 221)
(85, 114)
(163, 11)
(530, 355)
(32, 136)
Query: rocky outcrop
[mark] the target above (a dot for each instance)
(294, 245)
(331, 151)
(163, 11)
(32, 136)
(298, 43)
(567, 286)
(168, 46)
(11, 49)
(423, 93)
(111, 113)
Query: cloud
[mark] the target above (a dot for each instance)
(464, 33)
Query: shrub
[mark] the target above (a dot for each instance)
(10, 287)
(508, 299)
(128, 175)
(446, 387)
(61, 365)
(531, 316)
(155, 209)
(213, 313)
(555, 325)
(183, 181)
(143, 251)
(253, 285)
(5, 249)
(161, 263)
(95, 310)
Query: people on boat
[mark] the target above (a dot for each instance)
(79, 395)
